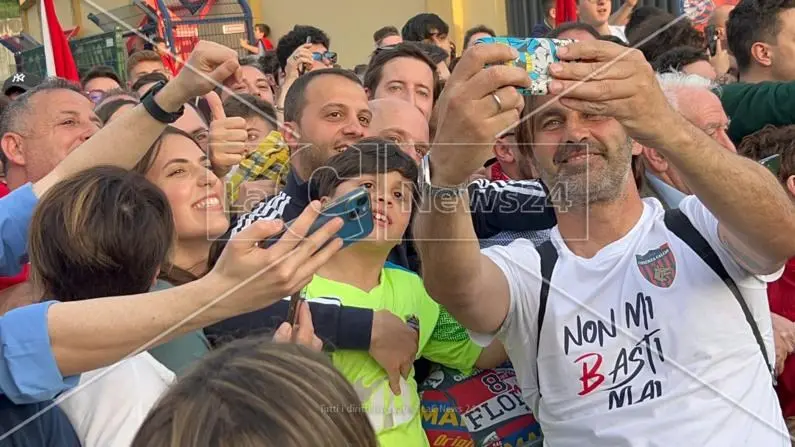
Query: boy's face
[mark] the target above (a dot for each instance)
(391, 201)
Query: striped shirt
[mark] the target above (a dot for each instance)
(497, 206)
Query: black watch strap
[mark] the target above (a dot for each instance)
(155, 110)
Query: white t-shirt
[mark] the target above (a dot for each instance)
(618, 31)
(108, 411)
(641, 345)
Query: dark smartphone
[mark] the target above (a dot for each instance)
(354, 209)
(292, 312)
(711, 34)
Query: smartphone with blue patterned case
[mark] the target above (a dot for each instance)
(535, 56)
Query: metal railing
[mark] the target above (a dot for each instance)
(100, 49)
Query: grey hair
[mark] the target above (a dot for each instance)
(16, 112)
(672, 82)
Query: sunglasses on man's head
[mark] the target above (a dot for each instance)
(328, 55)
(773, 163)
(384, 48)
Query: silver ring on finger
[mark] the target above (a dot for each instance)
(498, 101)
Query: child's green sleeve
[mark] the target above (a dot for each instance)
(450, 344)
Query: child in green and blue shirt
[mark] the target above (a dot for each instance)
(359, 276)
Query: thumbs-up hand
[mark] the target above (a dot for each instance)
(227, 137)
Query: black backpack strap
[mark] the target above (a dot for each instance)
(549, 257)
(680, 225)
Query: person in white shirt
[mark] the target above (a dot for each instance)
(597, 14)
(80, 249)
(640, 343)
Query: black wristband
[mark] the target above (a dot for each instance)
(155, 110)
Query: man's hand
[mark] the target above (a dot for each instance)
(301, 57)
(258, 276)
(228, 137)
(393, 345)
(783, 338)
(721, 61)
(618, 82)
(469, 117)
(303, 333)
(208, 66)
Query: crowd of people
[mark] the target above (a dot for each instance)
(608, 264)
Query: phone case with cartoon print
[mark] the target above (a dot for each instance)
(535, 57)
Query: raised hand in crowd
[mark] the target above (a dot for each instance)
(300, 60)
(783, 339)
(721, 61)
(210, 63)
(476, 105)
(394, 346)
(228, 137)
(303, 333)
(620, 83)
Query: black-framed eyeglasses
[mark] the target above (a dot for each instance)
(328, 55)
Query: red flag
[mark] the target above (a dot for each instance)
(565, 11)
(62, 54)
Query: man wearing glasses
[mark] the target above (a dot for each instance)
(302, 50)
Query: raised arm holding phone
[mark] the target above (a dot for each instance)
(612, 251)
(59, 340)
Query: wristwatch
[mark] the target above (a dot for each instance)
(429, 190)
(155, 110)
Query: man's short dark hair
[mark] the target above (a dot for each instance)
(475, 30)
(368, 156)
(248, 106)
(158, 39)
(751, 22)
(676, 59)
(297, 37)
(263, 28)
(383, 33)
(573, 26)
(547, 5)
(141, 56)
(149, 78)
(656, 35)
(16, 112)
(295, 100)
(375, 70)
(109, 108)
(82, 239)
(269, 63)
(641, 13)
(423, 26)
(100, 71)
(772, 140)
